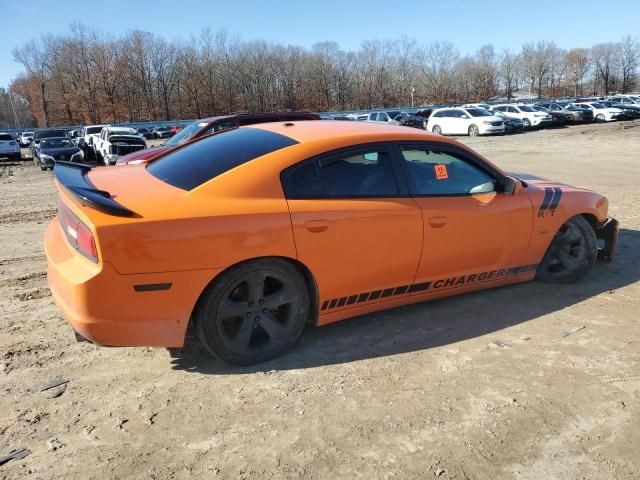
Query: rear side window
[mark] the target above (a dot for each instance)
(199, 162)
(356, 174)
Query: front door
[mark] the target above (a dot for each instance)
(471, 229)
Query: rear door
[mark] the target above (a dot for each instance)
(352, 227)
(470, 227)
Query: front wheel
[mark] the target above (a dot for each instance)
(526, 122)
(254, 312)
(600, 118)
(473, 131)
(571, 254)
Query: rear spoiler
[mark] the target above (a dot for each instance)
(72, 176)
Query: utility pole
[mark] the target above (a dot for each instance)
(16, 123)
(413, 90)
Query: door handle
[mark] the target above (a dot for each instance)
(315, 226)
(437, 222)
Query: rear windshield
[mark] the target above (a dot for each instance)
(50, 133)
(199, 162)
(5, 136)
(92, 130)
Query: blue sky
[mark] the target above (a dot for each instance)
(467, 23)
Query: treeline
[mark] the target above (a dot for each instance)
(85, 77)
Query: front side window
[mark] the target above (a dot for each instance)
(432, 172)
(362, 173)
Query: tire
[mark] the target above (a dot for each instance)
(473, 131)
(254, 312)
(437, 130)
(44, 169)
(572, 253)
(526, 122)
(600, 118)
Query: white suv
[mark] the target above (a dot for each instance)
(529, 116)
(464, 121)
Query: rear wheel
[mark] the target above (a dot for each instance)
(254, 312)
(526, 122)
(571, 254)
(600, 117)
(437, 130)
(473, 131)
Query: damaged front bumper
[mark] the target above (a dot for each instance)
(607, 233)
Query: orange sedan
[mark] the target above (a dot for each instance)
(250, 234)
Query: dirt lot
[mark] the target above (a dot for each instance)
(484, 386)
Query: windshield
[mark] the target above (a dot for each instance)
(56, 143)
(525, 108)
(50, 133)
(92, 130)
(478, 112)
(598, 105)
(123, 131)
(185, 134)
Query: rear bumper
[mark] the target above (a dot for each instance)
(608, 233)
(105, 308)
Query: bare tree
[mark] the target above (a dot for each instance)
(629, 59)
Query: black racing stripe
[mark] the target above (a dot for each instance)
(419, 287)
(325, 305)
(333, 303)
(363, 297)
(401, 290)
(387, 292)
(152, 287)
(527, 268)
(352, 299)
(375, 295)
(556, 198)
(342, 301)
(548, 195)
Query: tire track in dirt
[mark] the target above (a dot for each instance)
(28, 217)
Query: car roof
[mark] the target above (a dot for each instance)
(311, 131)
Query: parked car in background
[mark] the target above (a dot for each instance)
(408, 120)
(57, 149)
(511, 124)
(9, 147)
(464, 121)
(161, 132)
(573, 113)
(424, 113)
(529, 116)
(115, 142)
(630, 111)
(175, 129)
(625, 99)
(86, 138)
(146, 133)
(602, 113)
(207, 126)
(383, 117)
(24, 139)
(40, 134)
(486, 106)
(558, 119)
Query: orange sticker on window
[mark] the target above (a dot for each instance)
(441, 171)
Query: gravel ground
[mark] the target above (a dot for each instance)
(524, 382)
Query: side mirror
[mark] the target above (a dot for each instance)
(512, 186)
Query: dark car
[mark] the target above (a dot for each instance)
(408, 120)
(424, 113)
(57, 149)
(161, 132)
(629, 111)
(206, 126)
(511, 124)
(558, 119)
(45, 133)
(572, 113)
(146, 133)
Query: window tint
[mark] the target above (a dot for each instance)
(367, 173)
(5, 137)
(363, 174)
(199, 162)
(438, 173)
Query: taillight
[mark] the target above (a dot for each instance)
(77, 233)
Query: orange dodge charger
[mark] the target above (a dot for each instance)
(249, 234)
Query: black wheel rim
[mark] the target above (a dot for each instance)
(566, 253)
(257, 313)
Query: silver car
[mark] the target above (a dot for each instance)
(9, 148)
